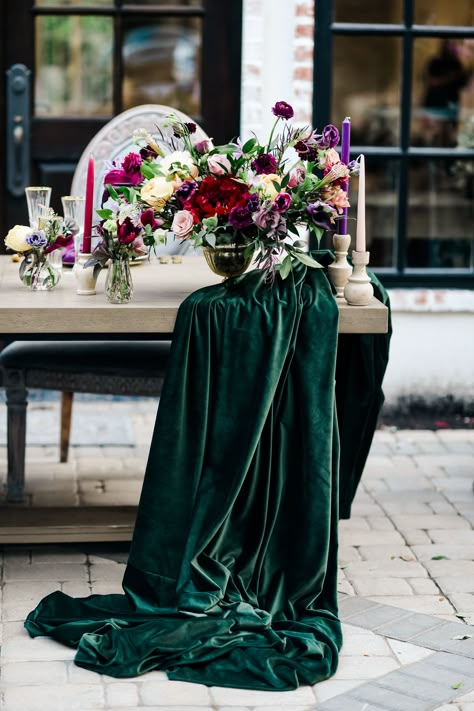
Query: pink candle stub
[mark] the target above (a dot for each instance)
(88, 208)
(345, 156)
(360, 233)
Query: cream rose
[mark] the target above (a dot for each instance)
(219, 165)
(16, 238)
(180, 163)
(266, 183)
(182, 224)
(156, 192)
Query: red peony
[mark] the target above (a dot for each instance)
(216, 195)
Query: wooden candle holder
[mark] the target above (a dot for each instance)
(358, 290)
(340, 269)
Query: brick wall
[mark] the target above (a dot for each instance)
(277, 61)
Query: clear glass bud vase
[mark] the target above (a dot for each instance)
(118, 283)
(38, 272)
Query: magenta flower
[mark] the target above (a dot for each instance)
(282, 202)
(148, 218)
(264, 164)
(283, 110)
(128, 173)
(127, 231)
(203, 146)
(185, 190)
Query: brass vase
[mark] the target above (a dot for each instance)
(227, 260)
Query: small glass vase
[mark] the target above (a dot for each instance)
(38, 272)
(227, 260)
(118, 283)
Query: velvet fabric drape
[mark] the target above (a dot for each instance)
(231, 578)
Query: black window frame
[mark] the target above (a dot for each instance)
(324, 30)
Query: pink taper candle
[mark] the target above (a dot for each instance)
(360, 233)
(345, 156)
(88, 207)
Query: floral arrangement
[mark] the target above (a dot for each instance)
(35, 244)
(243, 193)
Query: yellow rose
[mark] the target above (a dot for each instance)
(16, 238)
(266, 183)
(156, 192)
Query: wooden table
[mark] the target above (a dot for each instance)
(159, 290)
(62, 314)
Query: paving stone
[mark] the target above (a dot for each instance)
(14, 592)
(407, 653)
(396, 568)
(384, 552)
(353, 606)
(387, 698)
(246, 697)
(348, 553)
(449, 568)
(416, 537)
(34, 673)
(173, 693)
(423, 689)
(442, 638)
(38, 571)
(464, 602)
(121, 694)
(424, 586)
(434, 674)
(366, 509)
(76, 588)
(460, 537)
(455, 662)
(35, 650)
(443, 508)
(409, 522)
(365, 668)
(347, 702)
(54, 698)
(380, 523)
(409, 626)
(333, 687)
(355, 523)
(429, 604)
(363, 644)
(78, 675)
(454, 552)
(381, 586)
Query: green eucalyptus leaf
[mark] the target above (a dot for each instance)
(285, 267)
(211, 239)
(105, 214)
(304, 258)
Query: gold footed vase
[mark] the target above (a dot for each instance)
(227, 260)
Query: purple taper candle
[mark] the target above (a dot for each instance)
(345, 156)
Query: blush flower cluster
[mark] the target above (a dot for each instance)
(247, 193)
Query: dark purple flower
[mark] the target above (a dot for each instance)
(127, 231)
(240, 217)
(128, 173)
(185, 190)
(264, 164)
(191, 127)
(329, 137)
(185, 129)
(320, 214)
(37, 239)
(282, 202)
(283, 110)
(306, 150)
(147, 153)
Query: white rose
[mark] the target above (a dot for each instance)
(16, 238)
(180, 162)
(156, 192)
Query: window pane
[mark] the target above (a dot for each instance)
(441, 214)
(73, 66)
(366, 90)
(387, 12)
(443, 90)
(162, 60)
(71, 3)
(381, 209)
(460, 12)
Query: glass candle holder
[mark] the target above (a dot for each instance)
(38, 198)
(73, 209)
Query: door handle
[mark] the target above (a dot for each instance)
(18, 129)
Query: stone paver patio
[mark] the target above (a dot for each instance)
(406, 582)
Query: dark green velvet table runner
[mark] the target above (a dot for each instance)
(231, 579)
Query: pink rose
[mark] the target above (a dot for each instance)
(297, 177)
(182, 224)
(138, 247)
(219, 165)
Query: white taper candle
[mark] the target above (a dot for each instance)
(360, 232)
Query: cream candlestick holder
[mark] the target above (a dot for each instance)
(85, 278)
(340, 269)
(358, 290)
